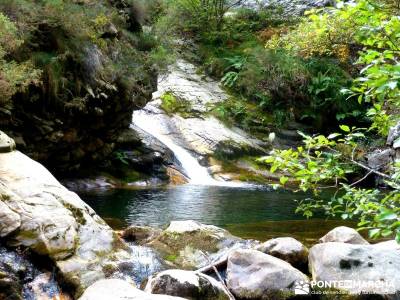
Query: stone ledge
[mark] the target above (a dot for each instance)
(7, 144)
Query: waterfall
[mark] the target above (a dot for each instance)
(153, 124)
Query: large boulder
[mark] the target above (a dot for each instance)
(357, 269)
(252, 274)
(40, 214)
(184, 243)
(287, 249)
(343, 234)
(117, 289)
(188, 284)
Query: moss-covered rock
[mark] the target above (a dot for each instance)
(94, 74)
(184, 243)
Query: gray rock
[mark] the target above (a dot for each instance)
(394, 134)
(188, 284)
(199, 134)
(343, 234)
(186, 241)
(117, 289)
(52, 221)
(254, 275)
(287, 249)
(381, 159)
(364, 268)
(7, 144)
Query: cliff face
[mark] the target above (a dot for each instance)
(95, 72)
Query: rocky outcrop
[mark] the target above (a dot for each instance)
(184, 243)
(187, 284)
(201, 134)
(116, 289)
(75, 117)
(287, 249)
(37, 212)
(22, 279)
(343, 234)
(254, 275)
(366, 269)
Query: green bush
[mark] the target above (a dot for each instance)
(14, 77)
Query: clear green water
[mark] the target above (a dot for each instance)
(250, 212)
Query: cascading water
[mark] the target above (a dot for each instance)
(153, 124)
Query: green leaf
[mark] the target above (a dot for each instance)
(387, 216)
(345, 128)
(283, 180)
(374, 233)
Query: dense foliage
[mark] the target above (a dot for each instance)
(335, 160)
(273, 85)
(14, 77)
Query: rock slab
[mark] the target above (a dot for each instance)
(252, 274)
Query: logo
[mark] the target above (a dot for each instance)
(301, 288)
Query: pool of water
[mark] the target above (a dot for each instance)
(249, 212)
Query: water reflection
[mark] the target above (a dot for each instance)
(208, 204)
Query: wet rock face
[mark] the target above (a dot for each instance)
(376, 265)
(203, 135)
(21, 279)
(187, 284)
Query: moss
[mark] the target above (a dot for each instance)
(171, 258)
(174, 105)
(76, 213)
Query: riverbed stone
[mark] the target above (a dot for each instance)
(185, 243)
(287, 249)
(344, 234)
(252, 274)
(117, 289)
(354, 264)
(54, 222)
(188, 284)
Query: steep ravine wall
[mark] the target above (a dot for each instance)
(88, 91)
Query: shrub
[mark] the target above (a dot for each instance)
(14, 77)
